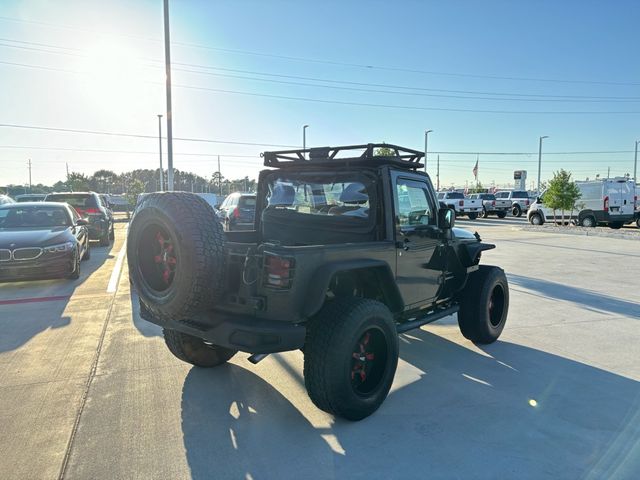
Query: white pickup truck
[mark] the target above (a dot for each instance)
(461, 205)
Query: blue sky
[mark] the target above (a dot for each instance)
(97, 65)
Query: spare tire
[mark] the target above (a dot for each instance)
(175, 251)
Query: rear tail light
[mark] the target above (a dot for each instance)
(93, 211)
(236, 212)
(493, 203)
(461, 203)
(606, 203)
(278, 271)
(526, 202)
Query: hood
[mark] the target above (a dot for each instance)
(34, 237)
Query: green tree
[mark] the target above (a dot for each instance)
(384, 152)
(562, 193)
(134, 188)
(78, 182)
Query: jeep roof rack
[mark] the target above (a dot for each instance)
(345, 156)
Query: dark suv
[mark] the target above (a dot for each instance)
(89, 206)
(238, 210)
(349, 248)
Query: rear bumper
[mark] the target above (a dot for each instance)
(238, 332)
(97, 229)
(41, 268)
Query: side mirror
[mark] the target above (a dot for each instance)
(82, 222)
(446, 218)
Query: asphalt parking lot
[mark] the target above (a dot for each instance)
(88, 389)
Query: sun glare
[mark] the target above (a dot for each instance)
(114, 76)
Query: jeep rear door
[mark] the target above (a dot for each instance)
(417, 268)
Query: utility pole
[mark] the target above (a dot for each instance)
(219, 178)
(608, 172)
(304, 139)
(29, 175)
(426, 140)
(438, 174)
(167, 61)
(160, 145)
(540, 162)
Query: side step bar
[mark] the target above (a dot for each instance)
(428, 318)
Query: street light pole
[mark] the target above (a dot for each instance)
(304, 139)
(160, 144)
(635, 164)
(167, 61)
(540, 161)
(426, 140)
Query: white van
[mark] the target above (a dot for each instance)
(602, 202)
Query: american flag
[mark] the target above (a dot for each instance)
(475, 169)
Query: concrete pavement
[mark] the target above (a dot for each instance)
(88, 389)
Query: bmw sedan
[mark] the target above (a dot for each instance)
(41, 239)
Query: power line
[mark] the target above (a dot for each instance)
(339, 63)
(136, 152)
(406, 107)
(133, 135)
(33, 46)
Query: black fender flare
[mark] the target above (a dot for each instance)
(316, 292)
(469, 252)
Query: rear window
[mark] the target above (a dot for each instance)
(455, 195)
(488, 196)
(75, 200)
(326, 195)
(520, 194)
(248, 202)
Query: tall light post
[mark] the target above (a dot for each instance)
(160, 145)
(167, 62)
(426, 143)
(304, 139)
(635, 164)
(540, 161)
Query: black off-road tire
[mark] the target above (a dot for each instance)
(516, 211)
(484, 305)
(638, 222)
(112, 233)
(194, 350)
(175, 251)
(337, 350)
(616, 225)
(501, 214)
(87, 253)
(472, 216)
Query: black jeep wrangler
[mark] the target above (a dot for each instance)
(350, 249)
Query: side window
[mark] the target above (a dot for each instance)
(412, 204)
(74, 216)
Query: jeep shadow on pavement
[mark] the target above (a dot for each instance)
(350, 248)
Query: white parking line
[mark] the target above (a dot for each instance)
(115, 275)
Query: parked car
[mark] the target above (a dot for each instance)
(461, 204)
(338, 286)
(607, 202)
(520, 201)
(89, 206)
(493, 206)
(31, 197)
(41, 239)
(5, 199)
(106, 203)
(237, 212)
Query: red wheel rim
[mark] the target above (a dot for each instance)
(368, 361)
(164, 257)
